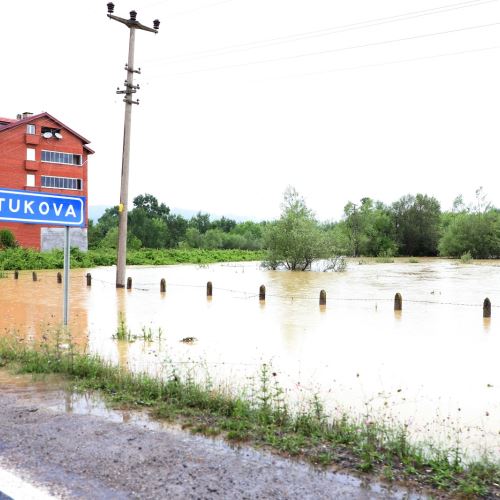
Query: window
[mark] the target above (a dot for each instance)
(57, 157)
(30, 180)
(30, 154)
(30, 129)
(61, 182)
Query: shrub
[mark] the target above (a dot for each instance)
(7, 239)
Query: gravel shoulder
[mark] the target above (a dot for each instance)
(82, 455)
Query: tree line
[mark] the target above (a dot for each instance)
(151, 224)
(414, 225)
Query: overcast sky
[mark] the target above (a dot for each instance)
(240, 98)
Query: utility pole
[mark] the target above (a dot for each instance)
(129, 90)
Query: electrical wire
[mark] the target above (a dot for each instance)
(389, 63)
(320, 33)
(331, 51)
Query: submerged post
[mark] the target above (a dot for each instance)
(35, 277)
(16, 274)
(398, 302)
(129, 283)
(322, 298)
(59, 277)
(262, 293)
(89, 279)
(163, 286)
(487, 308)
(209, 288)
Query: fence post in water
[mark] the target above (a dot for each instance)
(35, 277)
(16, 274)
(89, 279)
(487, 308)
(322, 298)
(59, 278)
(163, 286)
(129, 283)
(209, 288)
(398, 302)
(262, 293)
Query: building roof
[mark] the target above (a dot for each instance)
(11, 123)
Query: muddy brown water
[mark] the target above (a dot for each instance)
(433, 366)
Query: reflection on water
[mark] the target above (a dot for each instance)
(433, 364)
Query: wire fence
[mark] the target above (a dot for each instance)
(243, 294)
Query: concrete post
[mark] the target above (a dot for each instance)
(322, 298)
(487, 308)
(398, 302)
(262, 293)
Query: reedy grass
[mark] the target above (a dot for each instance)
(262, 418)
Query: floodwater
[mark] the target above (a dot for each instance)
(433, 366)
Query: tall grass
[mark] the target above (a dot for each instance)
(260, 416)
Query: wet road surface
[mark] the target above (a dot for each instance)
(90, 456)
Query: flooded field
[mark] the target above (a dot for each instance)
(434, 365)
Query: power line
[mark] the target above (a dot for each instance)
(320, 33)
(331, 51)
(391, 63)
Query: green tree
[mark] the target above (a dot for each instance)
(417, 224)
(201, 222)
(295, 240)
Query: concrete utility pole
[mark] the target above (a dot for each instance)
(130, 89)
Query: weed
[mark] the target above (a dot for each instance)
(466, 258)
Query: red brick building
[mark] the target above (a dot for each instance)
(40, 153)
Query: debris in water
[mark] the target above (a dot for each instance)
(189, 340)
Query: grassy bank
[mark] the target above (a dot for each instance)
(262, 418)
(22, 258)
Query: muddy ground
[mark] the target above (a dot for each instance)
(52, 440)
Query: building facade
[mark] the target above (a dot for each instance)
(39, 153)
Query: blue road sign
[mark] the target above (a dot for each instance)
(42, 208)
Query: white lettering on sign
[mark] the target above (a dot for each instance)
(70, 211)
(44, 208)
(27, 207)
(11, 205)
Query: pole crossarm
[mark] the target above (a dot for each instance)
(132, 23)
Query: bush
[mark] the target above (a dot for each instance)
(7, 239)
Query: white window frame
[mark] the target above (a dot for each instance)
(56, 155)
(31, 129)
(45, 183)
(31, 154)
(30, 180)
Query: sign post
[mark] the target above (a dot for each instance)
(49, 210)
(67, 261)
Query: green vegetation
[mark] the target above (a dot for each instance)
(25, 258)
(152, 225)
(7, 239)
(412, 226)
(296, 240)
(260, 416)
